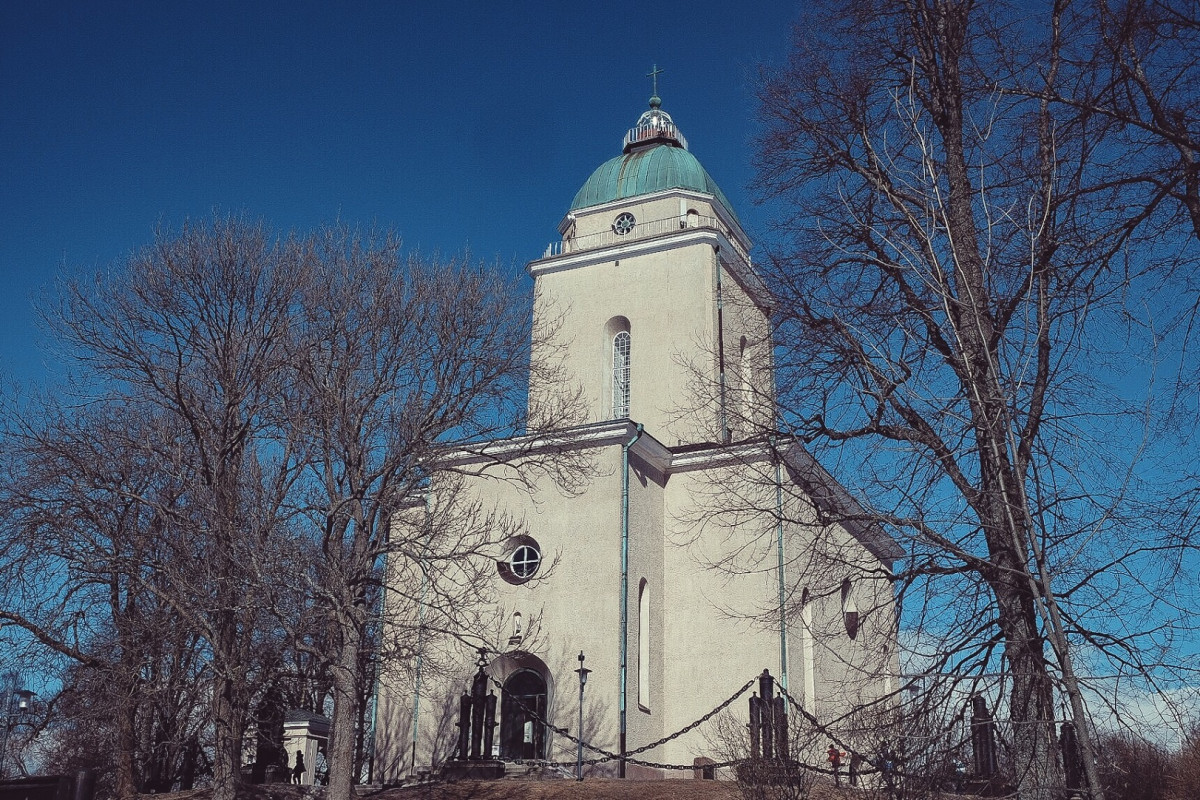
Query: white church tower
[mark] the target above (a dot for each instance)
(659, 310)
(700, 550)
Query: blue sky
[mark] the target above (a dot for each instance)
(468, 124)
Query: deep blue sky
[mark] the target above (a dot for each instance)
(469, 124)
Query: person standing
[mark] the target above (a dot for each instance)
(835, 763)
(298, 770)
(887, 767)
(856, 762)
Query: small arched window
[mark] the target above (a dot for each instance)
(849, 609)
(808, 657)
(644, 646)
(620, 375)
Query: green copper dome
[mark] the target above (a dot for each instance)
(655, 159)
(644, 171)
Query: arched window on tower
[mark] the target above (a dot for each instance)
(616, 378)
(620, 375)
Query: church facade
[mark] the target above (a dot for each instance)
(698, 550)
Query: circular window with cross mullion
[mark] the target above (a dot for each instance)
(624, 223)
(521, 560)
(524, 561)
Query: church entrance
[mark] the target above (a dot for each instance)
(521, 735)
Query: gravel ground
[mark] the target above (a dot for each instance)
(531, 789)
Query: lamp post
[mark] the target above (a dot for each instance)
(583, 673)
(18, 704)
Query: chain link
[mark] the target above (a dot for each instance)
(610, 756)
(824, 731)
(628, 755)
(821, 729)
(607, 756)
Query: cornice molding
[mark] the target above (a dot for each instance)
(615, 205)
(741, 271)
(619, 250)
(818, 485)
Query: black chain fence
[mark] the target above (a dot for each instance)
(885, 765)
(627, 756)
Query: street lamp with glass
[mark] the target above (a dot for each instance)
(583, 673)
(16, 712)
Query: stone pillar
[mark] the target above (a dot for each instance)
(983, 738)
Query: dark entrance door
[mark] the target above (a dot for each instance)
(521, 735)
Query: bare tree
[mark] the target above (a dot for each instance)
(958, 297)
(1136, 66)
(1185, 777)
(394, 358)
(193, 329)
(1133, 768)
(265, 422)
(79, 543)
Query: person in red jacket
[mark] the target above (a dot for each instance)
(835, 763)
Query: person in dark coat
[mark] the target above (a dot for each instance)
(856, 764)
(298, 770)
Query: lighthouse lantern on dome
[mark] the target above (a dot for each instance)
(654, 126)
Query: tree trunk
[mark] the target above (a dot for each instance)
(1031, 700)
(1000, 500)
(226, 715)
(1031, 706)
(345, 675)
(125, 783)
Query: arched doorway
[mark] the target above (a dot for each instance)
(521, 734)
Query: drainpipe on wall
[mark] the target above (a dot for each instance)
(377, 670)
(724, 421)
(420, 636)
(624, 673)
(783, 659)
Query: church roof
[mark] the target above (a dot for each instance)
(655, 159)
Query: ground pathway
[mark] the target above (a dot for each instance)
(534, 789)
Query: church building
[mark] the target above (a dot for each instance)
(698, 549)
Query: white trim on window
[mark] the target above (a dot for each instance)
(620, 375)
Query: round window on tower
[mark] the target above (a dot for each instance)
(624, 223)
(521, 560)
